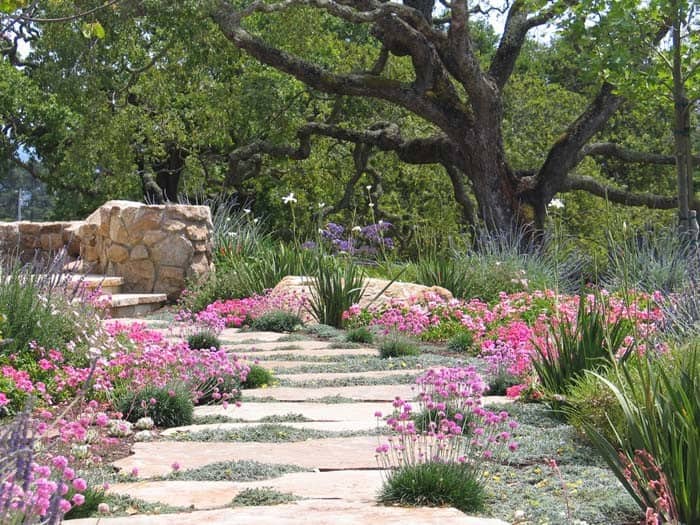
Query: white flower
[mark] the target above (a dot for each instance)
(321, 204)
(381, 222)
(369, 187)
(556, 203)
(246, 210)
(289, 198)
(256, 219)
(371, 205)
(357, 229)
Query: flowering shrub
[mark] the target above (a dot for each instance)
(507, 332)
(30, 491)
(234, 313)
(459, 432)
(359, 240)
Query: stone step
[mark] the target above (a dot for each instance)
(134, 304)
(108, 284)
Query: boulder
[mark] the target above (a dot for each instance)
(375, 291)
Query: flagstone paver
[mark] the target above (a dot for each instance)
(348, 485)
(252, 411)
(316, 352)
(280, 346)
(326, 426)
(347, 375)
(356, 393)
(236, 336)
(155, 458)
(311, 512)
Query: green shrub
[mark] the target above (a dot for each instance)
(461, 342)
(397, 346)
(172, 408)
(223, 283)
(93, 497)
(361, 334)
(589, 345)
(660, 401)
(277, 321)
(434, 484)
(323, 331)
(37, 307)
(336, 285)
(204, 340)
(258, 377)
(591, 402)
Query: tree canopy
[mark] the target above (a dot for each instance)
(411, 99)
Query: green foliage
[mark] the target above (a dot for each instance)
(223, 283)
(660, 403)
(235, 471)
(258, 377)
(204, 340)
(262, 496)
(435, 485)
(590, 402)
(647, 261)
(335, 286)
(93, 497)
(361, 334)
(397, 346)
(461, 342)
(590, 344)
(172, 408)
(425, 417)
(277, 321)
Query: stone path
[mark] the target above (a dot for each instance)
(343, 479)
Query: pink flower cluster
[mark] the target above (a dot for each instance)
(456, 427)
(505, 333)
(234, 313)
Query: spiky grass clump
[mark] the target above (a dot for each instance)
(167, 406)
(204, 340)
(257, 377)
(93, 497)
(277, 321)
(398, 347)
(361, 334)
(434, 485)
(461, 343)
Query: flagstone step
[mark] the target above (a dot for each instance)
(325, 426)
(328, 376)
(155, 458)
(108, 284)
(314, 411)
(356, 393)
(134, 304)
(309, 512)
(348, 485)
(319, 352)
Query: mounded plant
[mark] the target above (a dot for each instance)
(461, 342)
(361, 334)
(434, 484)
(169, 406)
(277, 321)
(258, 377)
(204, 340)
(397, 346)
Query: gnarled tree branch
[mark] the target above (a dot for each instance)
(609, 149)
(617, 195)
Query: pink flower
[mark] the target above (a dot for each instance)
(79, 484)
(135, 472)
(78, 499)
(175, 466)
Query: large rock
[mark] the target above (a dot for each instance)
(376, 291)
(154, 248)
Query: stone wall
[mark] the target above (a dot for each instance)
(38, 240)
(153, 248)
